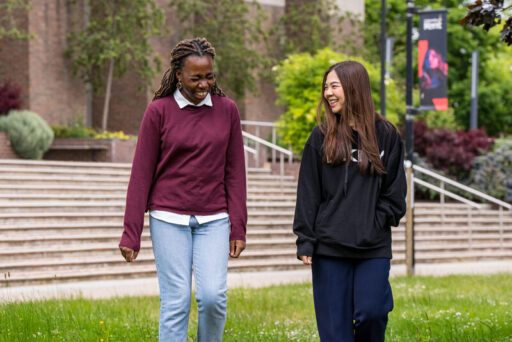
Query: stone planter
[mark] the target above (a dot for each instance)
(6, 151)
(100, 150)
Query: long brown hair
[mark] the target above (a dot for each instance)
(357, 109)
(188, 47)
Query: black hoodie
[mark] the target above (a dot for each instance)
(341, 212)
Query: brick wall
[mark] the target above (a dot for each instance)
(14, 59)
(6, 151)
(55, 93)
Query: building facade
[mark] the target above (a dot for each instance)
(49, 88)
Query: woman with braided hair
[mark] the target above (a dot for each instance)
(188, 172)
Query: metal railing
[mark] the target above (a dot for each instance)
(444, 180)
(259, 124)
(255, 152)
(443, 192)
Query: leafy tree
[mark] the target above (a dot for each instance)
(305, 26)
(114, 41)
(489, 13)
(234, 33)
(299, 84)
(9, 27)
(494, 94)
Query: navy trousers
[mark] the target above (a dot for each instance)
(352, 298)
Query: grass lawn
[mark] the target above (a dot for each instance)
(455, 308)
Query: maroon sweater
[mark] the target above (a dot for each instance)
(187, 161)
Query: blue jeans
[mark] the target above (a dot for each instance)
(178, 249)
(352, 298)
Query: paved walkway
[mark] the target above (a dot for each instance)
(149, 286)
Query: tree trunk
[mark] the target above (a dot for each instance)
(107, 95)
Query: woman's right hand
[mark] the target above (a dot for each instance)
(129, 254)
(306, 260)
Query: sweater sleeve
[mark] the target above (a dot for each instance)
(309, 191)
(234, 180)
(391, 203)
(143, 169)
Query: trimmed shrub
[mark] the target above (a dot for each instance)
(492, 173)
(10, 97)
(29, 134)
(450, 152)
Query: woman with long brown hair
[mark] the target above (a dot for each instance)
(351, 190)
(189, 173)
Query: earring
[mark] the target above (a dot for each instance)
(179, 85)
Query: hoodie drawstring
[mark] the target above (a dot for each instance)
(345, 183)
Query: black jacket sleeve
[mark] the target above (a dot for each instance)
(391, 203)
(309, 192)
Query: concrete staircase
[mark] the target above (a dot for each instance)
(61, 221)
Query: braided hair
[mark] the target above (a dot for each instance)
(188, 47)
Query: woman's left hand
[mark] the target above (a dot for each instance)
(236, 247)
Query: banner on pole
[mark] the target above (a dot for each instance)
(432, 57)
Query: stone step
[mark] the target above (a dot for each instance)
(62, 179)
(93, 166)
(457, 212)
(29, 164)
(116, 225)
(36, 171)
(23, 239)
(272, 183)
(440, 230)
(255, 197)
(136, 270)
(483, 221)
(446, 205)
(463, 246)
(57, 264)
(269, 177)
(60, 206)
(16, 198)
(63, 189)
(460, 255)
(79, 196)
(111, 246)
(59, 217)
(263, 191)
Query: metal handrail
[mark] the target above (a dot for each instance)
(462, 187)
(258, 123)
(273, 125)
(274, 147)
(448, 193)
(412, 181)
(250, 150)
(266, 143)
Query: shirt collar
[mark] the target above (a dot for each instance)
(182, 101)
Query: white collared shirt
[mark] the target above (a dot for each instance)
(182, 219)
(182, 101)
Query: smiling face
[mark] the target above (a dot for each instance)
(197, 78)
(333, 92)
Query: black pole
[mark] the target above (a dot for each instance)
(473, 122)
(409, 142)
(409, 112)
(383, 57)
